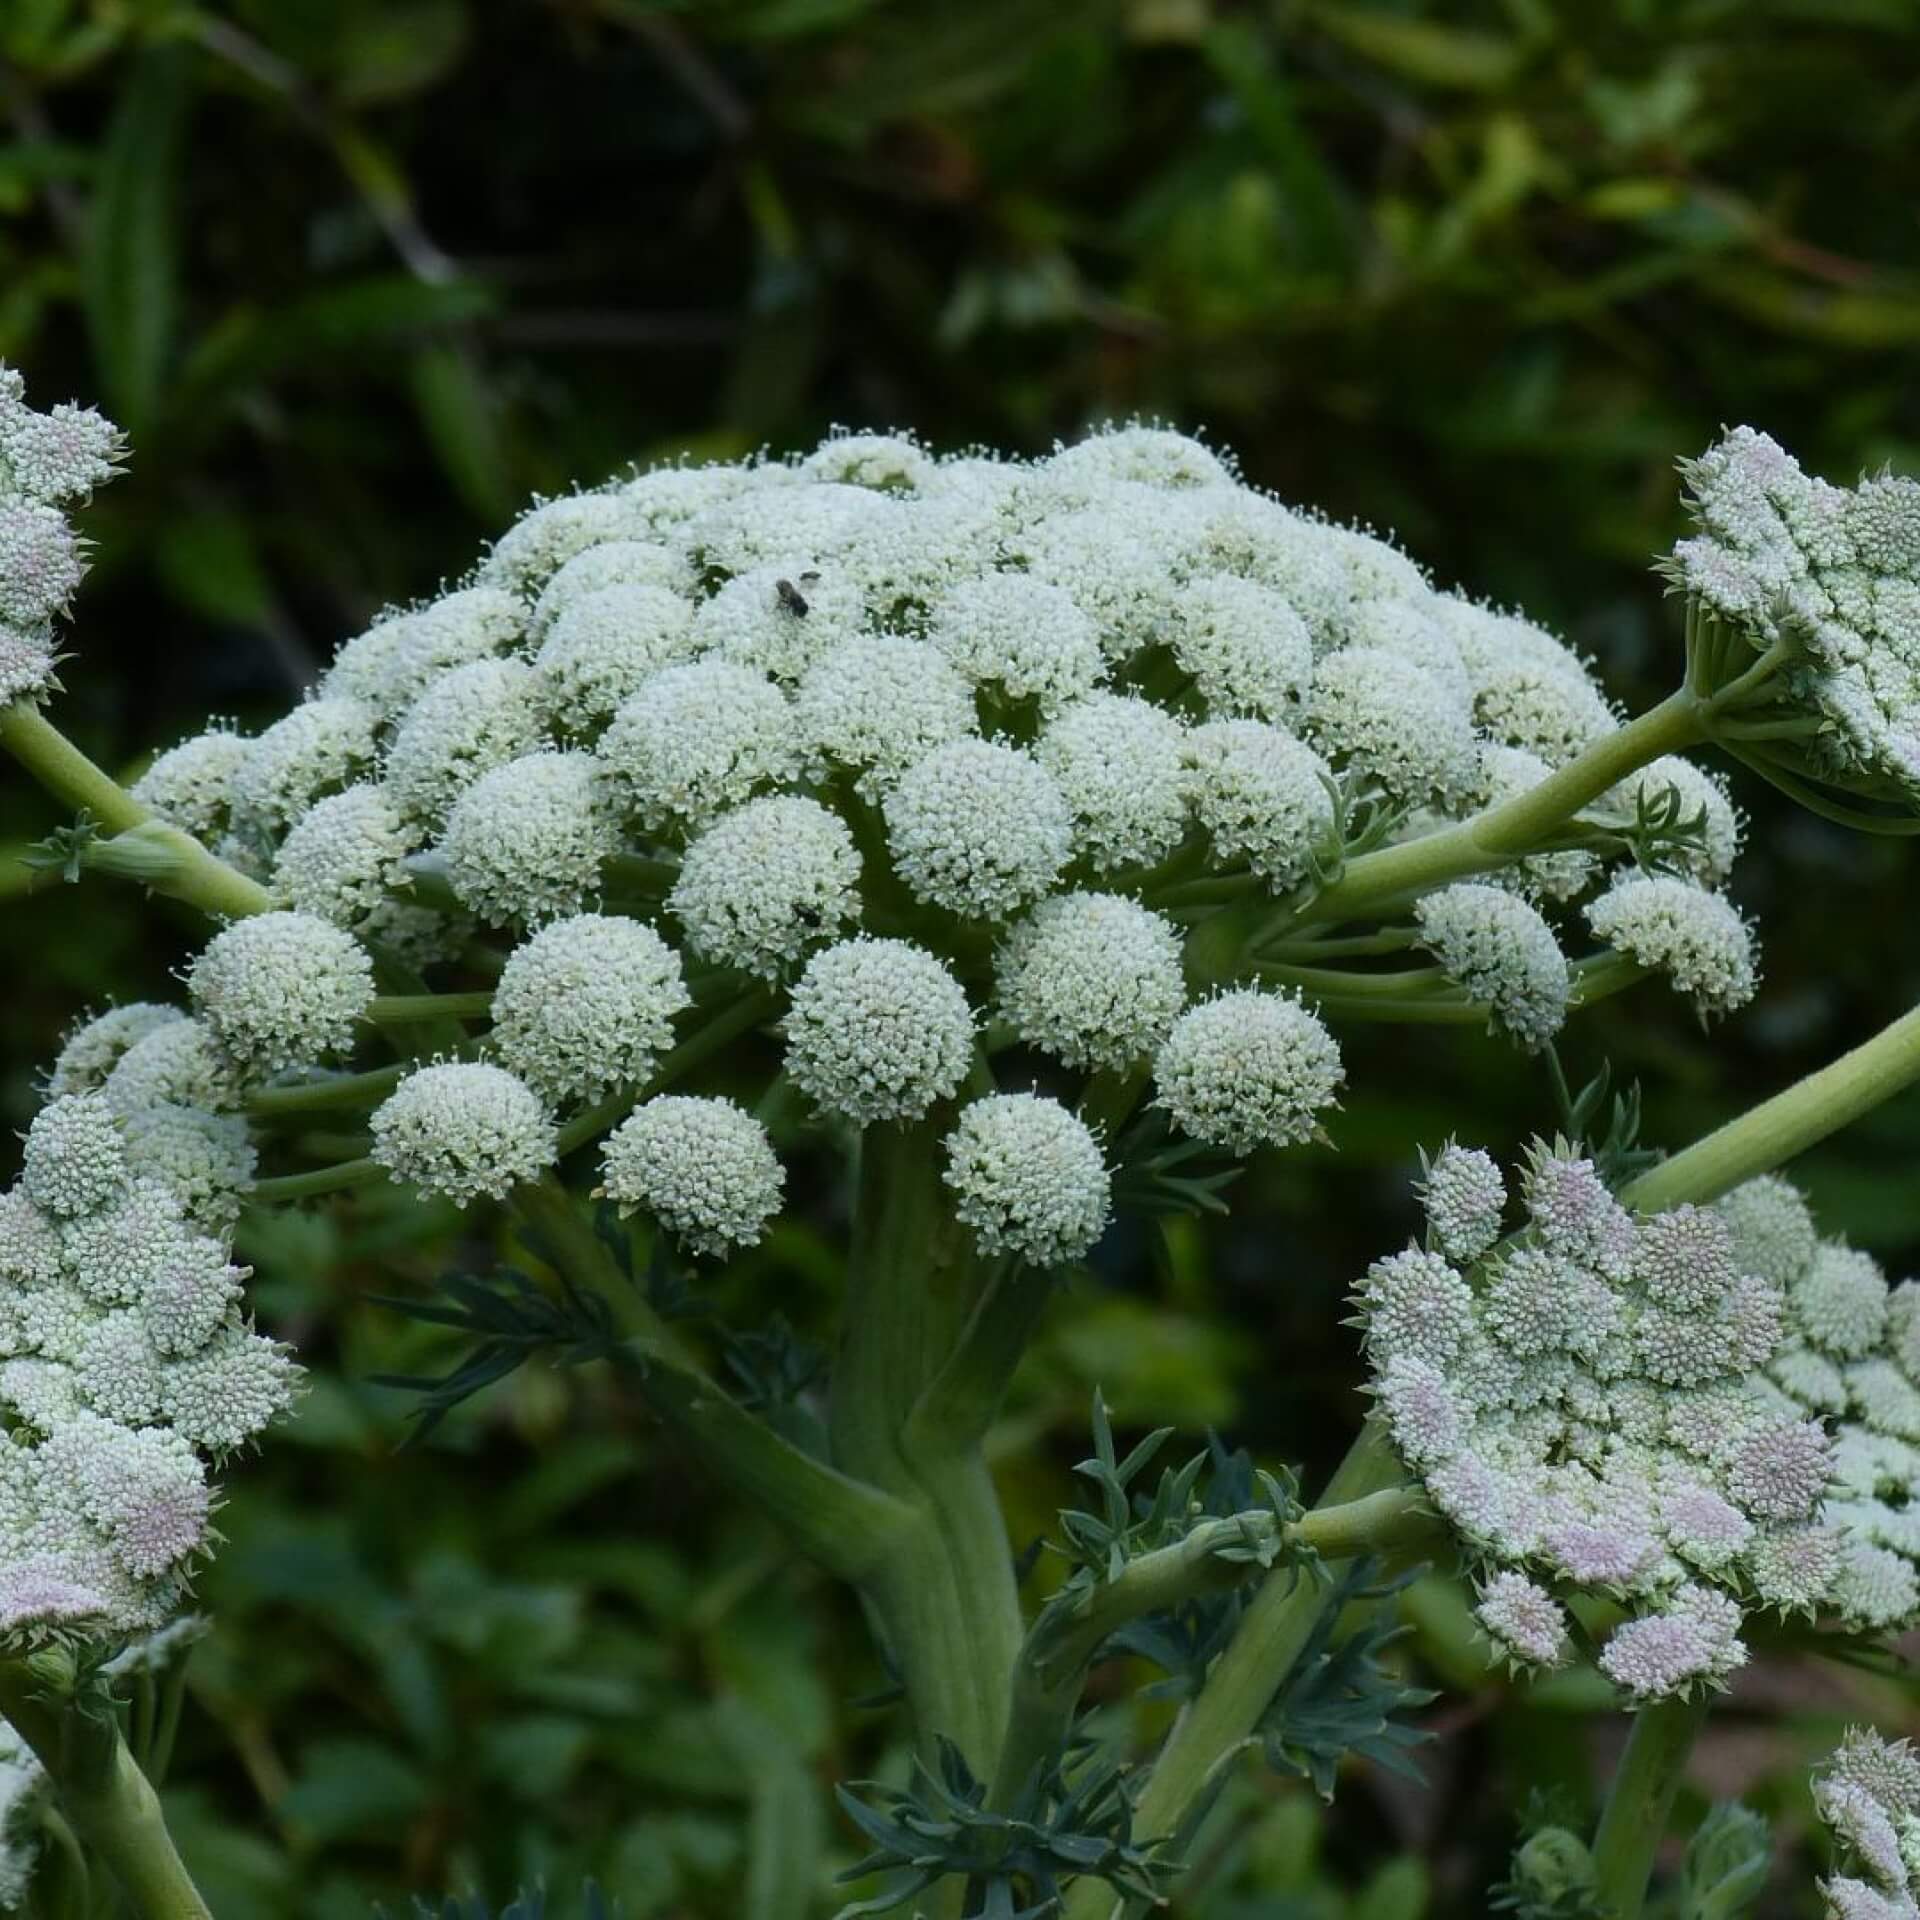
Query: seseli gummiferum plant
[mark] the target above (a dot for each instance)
(1025, 834)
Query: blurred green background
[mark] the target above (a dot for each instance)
(360, 276)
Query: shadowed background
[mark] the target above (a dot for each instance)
(360, 276)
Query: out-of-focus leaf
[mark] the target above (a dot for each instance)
(251, 345)
(1244, 61)
(1428, 52)
(461, 421)
(212, 562)
(396, 49)
(132, 264)
(352, 1787)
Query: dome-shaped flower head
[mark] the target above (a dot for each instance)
(1019, 636)
(1502, 954)
(462, 1129)
(57, 456)
(1778, 1468)
(887, 462)
(1114, 559)
(878, 704)
(1662, 1655)
(547, 536)
(390, 665)
(878, 1030)
(1408, 630)
(466, 722)
(696, 738)
(205, 1160)
(1673, 927)
(1092, 978)
(1574, 1213)
(1248, 652)
(1793, 1569)
(1248, 1069)
(1527, 1625)
(1028, 1178)
(1773, 1231)
(611, 563)
(604, 646)
(1840, 1302)
(1888, 1770)
(1150, 455)
(40, 563)
(703, 1168)
(180, 1062)
(229, 1392)
(320, 747)
(1262, 796)
(1422, 1412)
(978, 828)
(587, 1004)
(1684, 1259)
(1121, 766)
(75, 1161)
(281, 990)
(766, 882)
(527, 841)
(192, 785)
(1875, 1588)
(781, 618)
(94, 1048)
(1395, 722)
(1415, 1305)
(345, 855)
(1464, 1195)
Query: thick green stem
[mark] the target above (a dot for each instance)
(403, 1009)
(337, 1178)
(1515, 827)
(835, 1519)
(943, 1597)
(328, 1091)
(1640, 1802)
(163, 857)
(1778, 1129)
(104, 1796)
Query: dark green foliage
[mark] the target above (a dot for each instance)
(1342, 1701)
(1072, 1819)
(525, 1905)
(509, 1317)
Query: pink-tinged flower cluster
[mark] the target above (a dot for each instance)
(1594, 1402)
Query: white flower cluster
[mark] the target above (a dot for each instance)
(907, 739)
(1835, 569)
(1588, 1401)
(126, 1367)
(48, 462)
(1867, 1795)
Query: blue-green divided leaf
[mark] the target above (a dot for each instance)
(131, 276)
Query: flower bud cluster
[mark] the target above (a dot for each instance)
(127, 1370)
(1849, 1355)
(1589, 1401)
(1834, 572)
(1867, 1794)
(48, 462)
